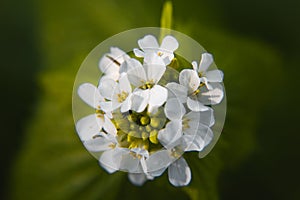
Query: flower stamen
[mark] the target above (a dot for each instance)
(122, 96)
(147, 85)
(100, 113)
(141, 130)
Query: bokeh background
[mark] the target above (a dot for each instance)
(256, 44)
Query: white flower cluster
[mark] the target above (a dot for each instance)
(144, 120)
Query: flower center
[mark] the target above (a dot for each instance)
(198, 89)
(122, 96)
(160, 53)
(147, 85)
(139, 130)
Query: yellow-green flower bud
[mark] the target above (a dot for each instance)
(145, 120)
(145, 135)
(153, 136)
(155, 122)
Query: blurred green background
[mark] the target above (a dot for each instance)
(256, 44)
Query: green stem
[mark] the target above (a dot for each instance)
(166, 19)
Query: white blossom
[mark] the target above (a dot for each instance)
(91, 125)
(119, 93)
(115, 157)
(193, 128)
(145, 78)
(112, 154)
(110, 63)
(213, 76)
(149, 45)
(191, 91)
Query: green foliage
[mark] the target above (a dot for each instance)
(53, 164)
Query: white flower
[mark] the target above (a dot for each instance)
(115, 157)
(145, 78)
(184, 132)
(112, 154)
(193, 128)
(149, 45)
(191, 91)
(119, 93)
(178, 170)
(110, 63)
(213, 76)
(91, 125)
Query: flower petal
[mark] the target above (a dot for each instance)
(110, 63)
(214, 76)
(108, 67)
(158, 162)
(177, 91)
(206, 134)
(169, 44)
(88, 127)
(198, 141)
(109, 127)
(107, 107)
(124, 84)
(205, 81)
(126, 105)
(204, 117)
(171, 133)
(129, 163)
(159, 172)
(195, 105)
(190, 79)
(110, 159)
(108, 87)
(112, 75)
(140, 99)
(179, 173)
(118, 54)
(137, 179)
(212, 97)
(135, 72)
(98, 144)
(195, 66)
(191, 123)
(174, 110)
(206, 61)
(138, 53)
(148, 42)
(154, 71)
(153, 59)
(193, 143)
(90, 94)
(158, 96)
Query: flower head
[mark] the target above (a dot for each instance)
(146, 116)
